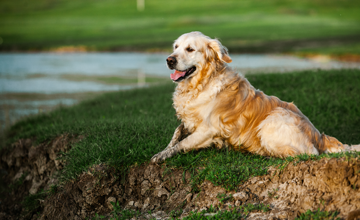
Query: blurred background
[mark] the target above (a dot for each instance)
(59, 52)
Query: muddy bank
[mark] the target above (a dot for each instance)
(331, 185)
(26, 168)
(328, 184)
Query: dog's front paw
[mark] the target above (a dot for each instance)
(157, 158)
(163, 155)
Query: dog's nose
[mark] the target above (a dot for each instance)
(171, 61)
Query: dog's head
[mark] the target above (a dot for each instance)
(192, 51)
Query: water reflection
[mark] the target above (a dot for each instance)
(50, 85)
(35, 76)
(82, 63)
(12, 109)
(126, 64)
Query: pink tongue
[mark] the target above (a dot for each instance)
(177, 74)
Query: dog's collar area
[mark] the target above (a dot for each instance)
(178, 76)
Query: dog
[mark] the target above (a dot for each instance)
(218, 106)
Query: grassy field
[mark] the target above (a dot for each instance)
(243, 26)
(129, 127)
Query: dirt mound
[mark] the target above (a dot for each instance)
(328, 184)
(26, 168)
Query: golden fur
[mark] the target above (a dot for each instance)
(218, 106)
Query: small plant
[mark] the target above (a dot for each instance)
(54, 188)
(318, 215)
(211, 209)
(175, 213)
(247, 208)
(223, 197)
(33, 201)
(178, 210)
(18, 182)
(97, 217)
(121, 214)
(116, 207)
(235, 213)
(272, 194)
(354, 186)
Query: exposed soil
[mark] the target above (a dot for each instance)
(328, 184)
(25, 169)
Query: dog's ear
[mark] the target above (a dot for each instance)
(220, 50)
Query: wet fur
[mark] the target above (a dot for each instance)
(218, 106)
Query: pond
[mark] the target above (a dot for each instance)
(38, 82)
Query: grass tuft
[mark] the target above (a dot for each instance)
(119, 213)
(225, 167)
(318, 215)
(240, 212)
(32, 202)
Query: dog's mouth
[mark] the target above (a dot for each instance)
(177, 76)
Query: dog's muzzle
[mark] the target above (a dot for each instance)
(171, 62)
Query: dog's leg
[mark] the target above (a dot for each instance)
(179, 132)
(199, 139)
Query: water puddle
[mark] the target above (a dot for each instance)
(38, 82)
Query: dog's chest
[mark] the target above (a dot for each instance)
(194, 106)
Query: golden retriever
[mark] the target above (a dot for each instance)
(218, 106)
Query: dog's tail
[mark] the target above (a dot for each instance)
(329, 144)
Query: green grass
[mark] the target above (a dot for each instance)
(318, 215)
(119, 213)
(32, 202)
(243, 211)
(240, 212)
(128, 127)
(228, 168)
(248, 25)
(333, 50)
(225, 168)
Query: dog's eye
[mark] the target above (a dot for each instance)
(189, 49)
(176, 46)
